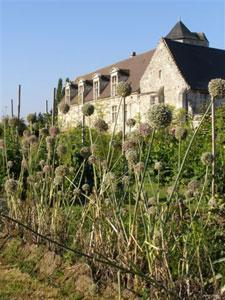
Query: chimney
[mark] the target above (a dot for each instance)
(133, 54)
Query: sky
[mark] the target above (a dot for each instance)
(44, 40)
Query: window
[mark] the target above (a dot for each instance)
(67, 94)
(96, 90)
(160, 73)
(113, 85)
(114, 113)
(153, 100)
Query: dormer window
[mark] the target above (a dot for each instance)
(114, 81)
(160, 74)
(96, 86)
(67, 92)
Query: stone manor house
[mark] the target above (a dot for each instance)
(176, 72)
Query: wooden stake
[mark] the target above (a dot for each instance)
(19, 101)
(11, 107)
(213, 149)
(53, 107)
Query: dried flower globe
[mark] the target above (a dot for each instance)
(58, 180)
(180, 133)
(33, 139)
(43, 131)
(31, 118)
(158, 166)
(11, 186)
(42, 163)
(53, 131)
(10, 164)
(100, 125)
(139, 167)
(92, 160)
(35, 127)
(129, 144)
(216, 88)
(207, 158)
(85, 152)
(109, 178)
(189, 194)
(76, 192)
(14, 121)
(26, 133)
(125, 180)
(123, 89)
(24, 163)
(61, 170)
(64, 107)
(86, 187)
(131, 122)
(131, 156)
(61, 150)
(144, 129)
(160, 116)
(88, 109)
(47, 169)
(193, 185)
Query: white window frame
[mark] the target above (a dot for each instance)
(113, 84)
(114, 111)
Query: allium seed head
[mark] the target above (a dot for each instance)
(53, 131)
(207, 158)
(139, 167)
(33, 139)
(43, 131)
(85, 152)
(92, 160)
(61, 150)
(88, 109)
(58, 180)
(77, 192)
(10, 164)
(100, 125)
(180, 133)
(129, 144)
(31, 118)
(158, 166)
(193, 185)
(131, 156)
(47, 169)
(86, 187)
(61, 170)
(14, 121)
(26, 133)
(160, 116)
(217, 88)
(11, 186)
(144, 129)
(131, 122)
(123, 89)
(64, 107)
(42, 163)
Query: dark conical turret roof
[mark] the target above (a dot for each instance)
(180, 31)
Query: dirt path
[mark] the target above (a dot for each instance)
(15, 285)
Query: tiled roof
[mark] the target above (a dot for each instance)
(135, 65)
(197, 64)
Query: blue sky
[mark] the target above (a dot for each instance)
(44, 40)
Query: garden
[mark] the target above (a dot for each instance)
(100, 214)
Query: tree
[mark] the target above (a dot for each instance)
(59, 90)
